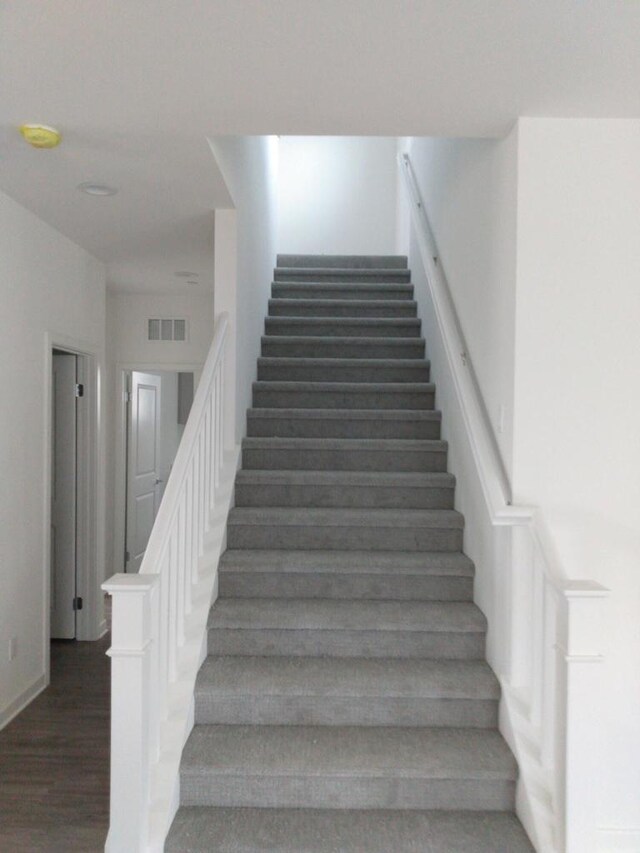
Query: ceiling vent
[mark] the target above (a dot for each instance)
(159, 329)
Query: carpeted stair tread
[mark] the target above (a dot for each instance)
(395, 262)
(349, 444)
(328, 615)
(351, 414)
(360, 766)
(344, 423)
(353, 307)
(293, 676)
(310, 346)
(344, 326)
(340, 274)
(244, 830)
(436, 563)
(341, 290)
(397, 479)
(346, 517)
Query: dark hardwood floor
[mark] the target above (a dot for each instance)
(54, 759)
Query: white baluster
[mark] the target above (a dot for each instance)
(163, 644)
(537, 609)
(173, 604)
(216, 432)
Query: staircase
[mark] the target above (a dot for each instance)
(345, 704)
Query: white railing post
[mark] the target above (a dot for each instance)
(582, 658)
(134, 599)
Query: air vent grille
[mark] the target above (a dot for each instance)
(161, 329)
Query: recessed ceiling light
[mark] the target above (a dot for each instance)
(40, 135)
(96, 189)
(186, 274)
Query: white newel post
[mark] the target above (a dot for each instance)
(134, 598)
(583, 657)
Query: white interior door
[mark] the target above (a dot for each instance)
(63, 497)
(143, 464)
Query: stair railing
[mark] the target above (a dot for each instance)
(549, 625)
(159, 621)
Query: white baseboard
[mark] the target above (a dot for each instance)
(618, 840)
(102, 629)
(20, 703)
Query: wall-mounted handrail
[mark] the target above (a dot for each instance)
(159, 620)
(553, 622)
(495, 482)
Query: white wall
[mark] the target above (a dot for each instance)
(249, 166)
(577, 400)
(47, 285)
(469, 187)
(337, 195)
(127, 345)
(127, 327)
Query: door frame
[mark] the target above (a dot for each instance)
(90, 621)
(123, 369)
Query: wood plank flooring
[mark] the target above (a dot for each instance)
(54, 759)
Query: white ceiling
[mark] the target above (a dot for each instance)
(136, 86)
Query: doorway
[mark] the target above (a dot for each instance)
(65, 391)
(158, 404)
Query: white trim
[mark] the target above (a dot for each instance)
(25, 698)
(618, 839)
(91, 494)
(122, 368)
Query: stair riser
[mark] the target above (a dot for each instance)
(334, 348)
(271, 459)
(344, 792)
(281, 326)
(350, 276)
(347, 644)
(356, 587)
(289, 290)
(344, 538)
(345, 711)
(334, 428)
(371, 308)
(305, 372)
(391, 497)
(353, 399)
(356, 262)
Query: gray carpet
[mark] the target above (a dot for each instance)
(345, 704)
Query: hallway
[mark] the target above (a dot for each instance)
(54, 759)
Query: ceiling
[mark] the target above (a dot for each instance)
(136, 86)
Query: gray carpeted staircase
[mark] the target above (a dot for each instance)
(345, 704)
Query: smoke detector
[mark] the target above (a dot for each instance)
(40, 135)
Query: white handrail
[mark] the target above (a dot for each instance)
(159, 621)
(552, 621)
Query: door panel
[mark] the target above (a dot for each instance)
(63, 497)
(143, 474)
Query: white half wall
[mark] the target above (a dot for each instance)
(577, 400)
(249, 165)
(48, 286)
(337, 195)
(469, 188)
